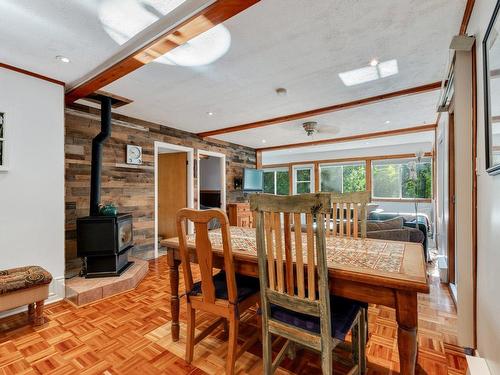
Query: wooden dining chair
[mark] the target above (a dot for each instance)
(347, 218)
(295, 295)
(225, 294)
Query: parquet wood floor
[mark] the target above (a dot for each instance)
(129, 334)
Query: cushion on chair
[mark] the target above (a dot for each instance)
(23, 278)
(342, 315)
(246, 286)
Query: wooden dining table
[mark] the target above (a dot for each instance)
(388, 273)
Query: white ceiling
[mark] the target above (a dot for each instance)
(297, 44)
(34, 32)
(402, 112)
(283, 43)
(393, 145)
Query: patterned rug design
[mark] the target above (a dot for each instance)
(365, 253)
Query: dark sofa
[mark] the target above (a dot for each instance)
(390, 226)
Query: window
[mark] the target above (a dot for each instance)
(402, 179)
(2, 140)
(276, 182)
(343, 178)
(303, 180)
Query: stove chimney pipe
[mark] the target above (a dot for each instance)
(96, 164)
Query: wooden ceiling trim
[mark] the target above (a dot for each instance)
(320, 111)
(345, 160)
(384, 133)
(204, 20)
(32, 74)
(466, 17)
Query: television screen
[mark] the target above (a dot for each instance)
(252, 179)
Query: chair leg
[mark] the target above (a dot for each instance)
(191, 323)
(38, 319)
(363, 334)
(267, 350)
(355, 341)
(31, 312)
(327, 361)
(292, 351)
(225, 329)
(232, 345)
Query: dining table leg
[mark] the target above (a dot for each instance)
(174, 293)
(407, 318)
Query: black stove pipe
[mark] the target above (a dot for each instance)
(97, 145)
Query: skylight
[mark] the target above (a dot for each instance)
(370, 73)
(123, 19)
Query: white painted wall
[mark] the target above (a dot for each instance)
(210, 178)
(32, 190)
(463, 198)
(488, 233)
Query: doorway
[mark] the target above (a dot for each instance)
(211, 180)
(173, 187)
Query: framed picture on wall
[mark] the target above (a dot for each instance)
(491, 72)
(3, 153)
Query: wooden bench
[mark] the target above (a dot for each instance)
(25, 286)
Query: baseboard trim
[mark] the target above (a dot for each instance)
(56, 293)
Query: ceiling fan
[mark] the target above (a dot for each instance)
(311, 128)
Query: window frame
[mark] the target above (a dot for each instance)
(301, 167)
(400, 162)
(342, 165)
(274, 170)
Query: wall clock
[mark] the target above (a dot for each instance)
(134, 154)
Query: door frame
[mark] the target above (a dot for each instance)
(222, 162)
(158, 146)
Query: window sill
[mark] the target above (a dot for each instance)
(402, 200)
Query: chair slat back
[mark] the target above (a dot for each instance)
(204, 254)
(351, 211)
(292, 265)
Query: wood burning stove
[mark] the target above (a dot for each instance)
(104, 241)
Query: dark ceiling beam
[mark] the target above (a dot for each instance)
(466, 17)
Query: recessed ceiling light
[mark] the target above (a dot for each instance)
(387, 121)
(281, 91)
(374, 62)
(264, 141)
(210, 113)
(62, 59)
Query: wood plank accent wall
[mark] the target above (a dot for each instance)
(131, 188)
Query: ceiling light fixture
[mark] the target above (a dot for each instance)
(210, 113)
(374, 62)
(387, 121)
(281, 91)
(264, 141)
(62, 59)
(310, 127)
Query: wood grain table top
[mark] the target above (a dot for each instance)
(394, 264)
